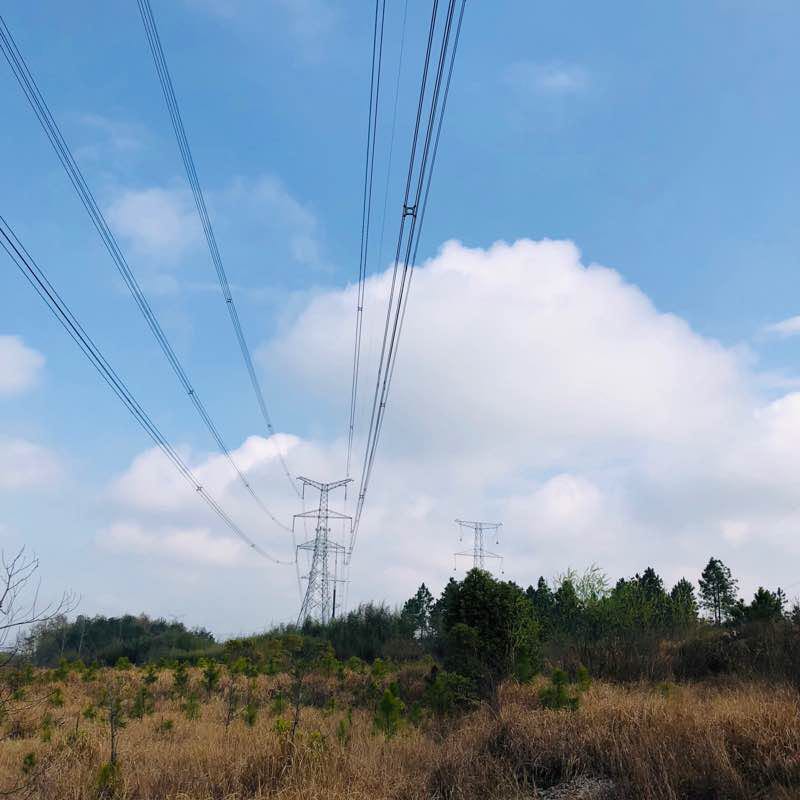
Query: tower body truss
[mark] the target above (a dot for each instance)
(326, 555)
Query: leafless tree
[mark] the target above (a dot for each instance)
(20, 606)
(20, 610)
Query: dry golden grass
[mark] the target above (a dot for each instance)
(654, 743)
(740, 741)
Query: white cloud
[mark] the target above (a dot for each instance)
(530, 389)
(159, 223)
(162, 512)
(194, 545)
(529, 77)
(784, 328)
(113, 137)
(555, 396)
(20, 366)
(530, 346)
(25, 465)
(270, 211)
(249, 216)
(152, 483)
(567, 504)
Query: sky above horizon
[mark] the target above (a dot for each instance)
(603, 335)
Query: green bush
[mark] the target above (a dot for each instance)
(343, 728)
(142, 703)
(108, 781)
(582, 678)
(449, 693)
(389, 714)
(355, 664)
(558, 694)
(180, 678)
(250, 714)
(150, 675)
(47, 727)
(278, 704)
(29, 763)
(282, 726)
(211, 675)
(379, 669)
(191, 706)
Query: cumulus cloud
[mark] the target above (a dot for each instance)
(20, 366)
(534, 389)
(152, 483)
(25, 464)
(159, 223)
(530, 77)
(530, 347)
(162, 513)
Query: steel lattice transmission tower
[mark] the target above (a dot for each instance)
(479, 552)
(320, 597)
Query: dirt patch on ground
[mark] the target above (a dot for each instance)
(580, 789)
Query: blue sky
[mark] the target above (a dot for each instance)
(659, 139)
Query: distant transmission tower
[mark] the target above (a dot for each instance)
(479, 552)
(320, 598)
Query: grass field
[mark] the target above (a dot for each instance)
(731, 740)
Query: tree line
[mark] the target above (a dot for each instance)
(483, 630)
(105, 640)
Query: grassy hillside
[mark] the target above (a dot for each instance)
(564, 691)
(183, 740)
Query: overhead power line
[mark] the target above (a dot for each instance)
(363, 273)
(37, 102)
(424, 148)
(366, 211)
(167, 87)
(427, 194)
(393, 132)
(39, 281)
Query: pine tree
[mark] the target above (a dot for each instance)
(417, 611)
(491, 633)
(651, 584)
(683, 604)
(543, 605)
(765, 606)
(717, 590)
(567, 607)
(439, 610)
